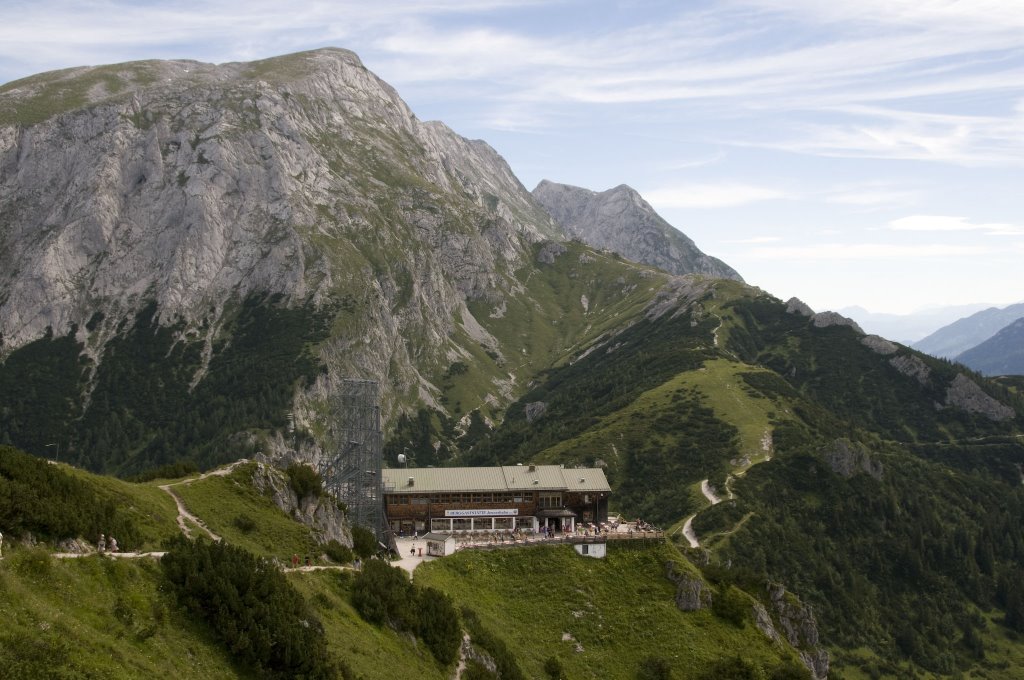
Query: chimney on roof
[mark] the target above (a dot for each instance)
(533, 468)
(412, 480)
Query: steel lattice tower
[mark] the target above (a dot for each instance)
(351, 466)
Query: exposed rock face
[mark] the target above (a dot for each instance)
(847, 459)
(320, 513)
(472, 652)
(622, 221)
(879, 344)
(911, 366)
(965, 394)
(77, 546)
(677, 296)
(692, 594)
(195, 185)
(534, 410)
(550, 252)
(798, 306)
(800, 627)
(826, 319)
(764, 623)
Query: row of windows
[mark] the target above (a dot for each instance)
(452, 498)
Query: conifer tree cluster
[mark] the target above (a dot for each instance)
(250, 607)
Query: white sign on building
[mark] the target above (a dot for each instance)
(504, 512)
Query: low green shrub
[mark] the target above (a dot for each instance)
(342, 554)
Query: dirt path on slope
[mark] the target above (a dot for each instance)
(184, 516)
(689, 533)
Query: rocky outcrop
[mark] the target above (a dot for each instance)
(826, 319)
(798, 306)
(550, 252)
(692, 594)
(319, 512)
(678, 295)
(912, 367)
(879, 345)
(534, 410)
(76, 546)
(847, 458)
(965, 394)
(764, 623)
(800, 627)
(471, 652)
(620, 220)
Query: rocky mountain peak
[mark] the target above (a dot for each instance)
(197, 183)
(620, 220)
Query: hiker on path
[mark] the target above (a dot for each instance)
(113, 544)
(101, 545)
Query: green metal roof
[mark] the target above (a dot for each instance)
(506, 478)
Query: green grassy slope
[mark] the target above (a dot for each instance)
(599, 618)
(95, 617)
(897, 566)
(371, 652)
(98, 616)
(221, 500)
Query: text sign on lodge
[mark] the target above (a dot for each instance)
(505, 512)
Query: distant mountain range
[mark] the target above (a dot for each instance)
(909, 328)
(953, 340)
(1002, 354)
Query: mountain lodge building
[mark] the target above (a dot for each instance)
(487, 499)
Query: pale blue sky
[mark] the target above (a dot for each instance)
(865, 152)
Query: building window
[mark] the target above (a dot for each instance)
(550, 500)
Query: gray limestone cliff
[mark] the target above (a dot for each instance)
(879, 345)
(912, 367)
(303, 177)
(826, 319)
(798, 306)
(692, 594)
(319, 513)
(964, 393)
(798, 624)
(620, 220)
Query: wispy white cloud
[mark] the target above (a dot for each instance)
(938, 223)
(696, 162)
(842, 79)
(872, 195)
(711, 195)
(755, 240)
(866, 251)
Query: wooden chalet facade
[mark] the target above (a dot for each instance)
(507, 498)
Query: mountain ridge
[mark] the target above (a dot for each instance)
(619, 219)
(1001, 354)
(967, 332)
